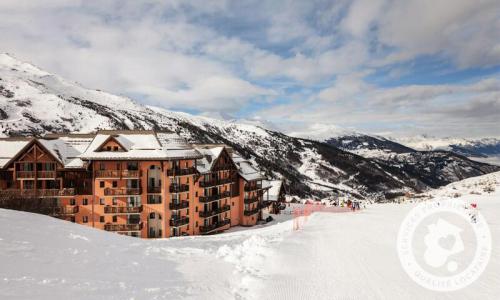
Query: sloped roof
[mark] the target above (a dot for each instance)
(209, 156)
(275, 187)
(246, 169)
(140, 146)
(68, 149)
(10, 148)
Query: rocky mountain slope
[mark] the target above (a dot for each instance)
(33, 101)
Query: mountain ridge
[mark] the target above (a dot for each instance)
(35, 102)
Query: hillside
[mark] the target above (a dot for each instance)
(36, 102)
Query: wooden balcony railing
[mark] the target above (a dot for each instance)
(206, 199)
(121, 191)
(176, 222)
(179, 188)
(117, 174)
(215, 182)
(251, 212)
(255, 187)
(220, 167)
(179, 205)
(65, 210)
(122, 209)
(154, 189)
(214, 226)
(46, 174)
(210, 213)
(123, 227)
(251, 200)
(181, 171)
(25, 174)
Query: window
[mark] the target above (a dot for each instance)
(196, 194)
(85, 201)
(72, 219)
(196, 223)
(72, 202)
(114, 201)
(152, 215)
(118, 166)
(101, 184)
(85, 219)
(115, 184)
(186, 165)
(196, 209)
(101, 219)
(233, 203)
(115, 148)
(159, 216)
(115, 219)
(102, 167)
(101, 201)
(108, 148)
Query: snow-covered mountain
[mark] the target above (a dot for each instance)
(33, 101)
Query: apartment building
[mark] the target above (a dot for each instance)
(140, 183)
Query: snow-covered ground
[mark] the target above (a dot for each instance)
(334, 256)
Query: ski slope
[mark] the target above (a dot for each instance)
(334, 256)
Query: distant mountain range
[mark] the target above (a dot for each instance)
(35, 102)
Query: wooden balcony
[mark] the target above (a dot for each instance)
(215, 182)
(117, 174)
(177, 222)
(251, 200)
(123, 227)
(122, 191)
(25, 174)
(206, 199)
(256, 187)
(251, 212)
(65, 210)
(179, 188)
(154, 189)
(122, 210)
(179, 205)
(210, 213)
(214, 227)
(220, 167)
(46, 174)
(66, 192)
(181, 171)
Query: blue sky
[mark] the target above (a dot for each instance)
(379, 66)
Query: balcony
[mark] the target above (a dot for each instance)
(179, 188)
(215, 226)
(121, 191)
(220, 167)
(65, 210)
(46, 174)
(206, 199)
(251, 200)
(154, 189)
(179, 205)
(176, 222)
(116, 174)
(249, 188)
(123, 227)
(117, 210)
(210, 213)
(215, 182)
(25, 174)
(67, 192)
(181, 172)
(251, 212)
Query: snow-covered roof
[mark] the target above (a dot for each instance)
(67, 149)
(209, 156)
(140, 145)
(9, 148)
(274, 189)
(246, 169)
